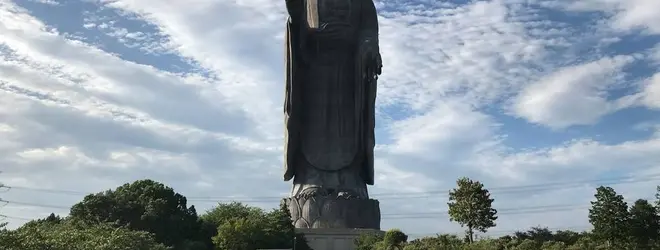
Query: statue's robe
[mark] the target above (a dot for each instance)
(330, 96)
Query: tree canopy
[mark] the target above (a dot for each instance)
(471, 206)
(147, 215)
(240, 227)
(144, 205)
(76, 235)
(609, 216)
(644, 224)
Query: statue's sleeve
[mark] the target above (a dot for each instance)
(295, 9)
(369, 26)
(290, 97)
(366, 87)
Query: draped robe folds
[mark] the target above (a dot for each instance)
(330, 98)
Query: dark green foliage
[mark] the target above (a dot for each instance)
(300, 243)
(441, 242)
(52, 219)
(471, 206)
(279, 228)
(543, 234)
(394, 238)
(568, 237)
(609, 217)
(644, 224)
(537, 234)
(368, 241)
(144, 205)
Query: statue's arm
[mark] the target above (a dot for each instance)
(295, 9)
(369, 37)
(369, 24)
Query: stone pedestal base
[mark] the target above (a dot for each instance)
(333, 238)
(333, 212)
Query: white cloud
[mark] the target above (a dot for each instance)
(451, 122)
(574, 95)
(580, 159)
(654, 54)
(450, 49)
(627, 14)
(48, 2)
(232, 45)
(58, 97)
(651, 94)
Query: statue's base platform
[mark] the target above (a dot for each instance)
(333, 238)
(333, 212)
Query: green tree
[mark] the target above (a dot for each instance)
(485, 244)
(225, 211)
(395, 239)
(76, 235)
(441, 242)
(280, 232)
(568, 237)
(644, 224)
(300, 243)
(586, 242)
(553, 245)
(368, 241)
(239, 227)
(528, 244)
(240, 234)
(52, 219)
(537, 234)
(657, 198)
(609, 216)
(145, 205)
(471, 206)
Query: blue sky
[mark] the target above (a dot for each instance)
(97, 93)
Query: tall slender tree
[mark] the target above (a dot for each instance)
(609, 216)
(471, 206)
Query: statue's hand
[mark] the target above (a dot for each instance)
(373, 63)
(378, 63)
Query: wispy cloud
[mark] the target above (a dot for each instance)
(652, 92)
(623, 14)
(574, 95)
